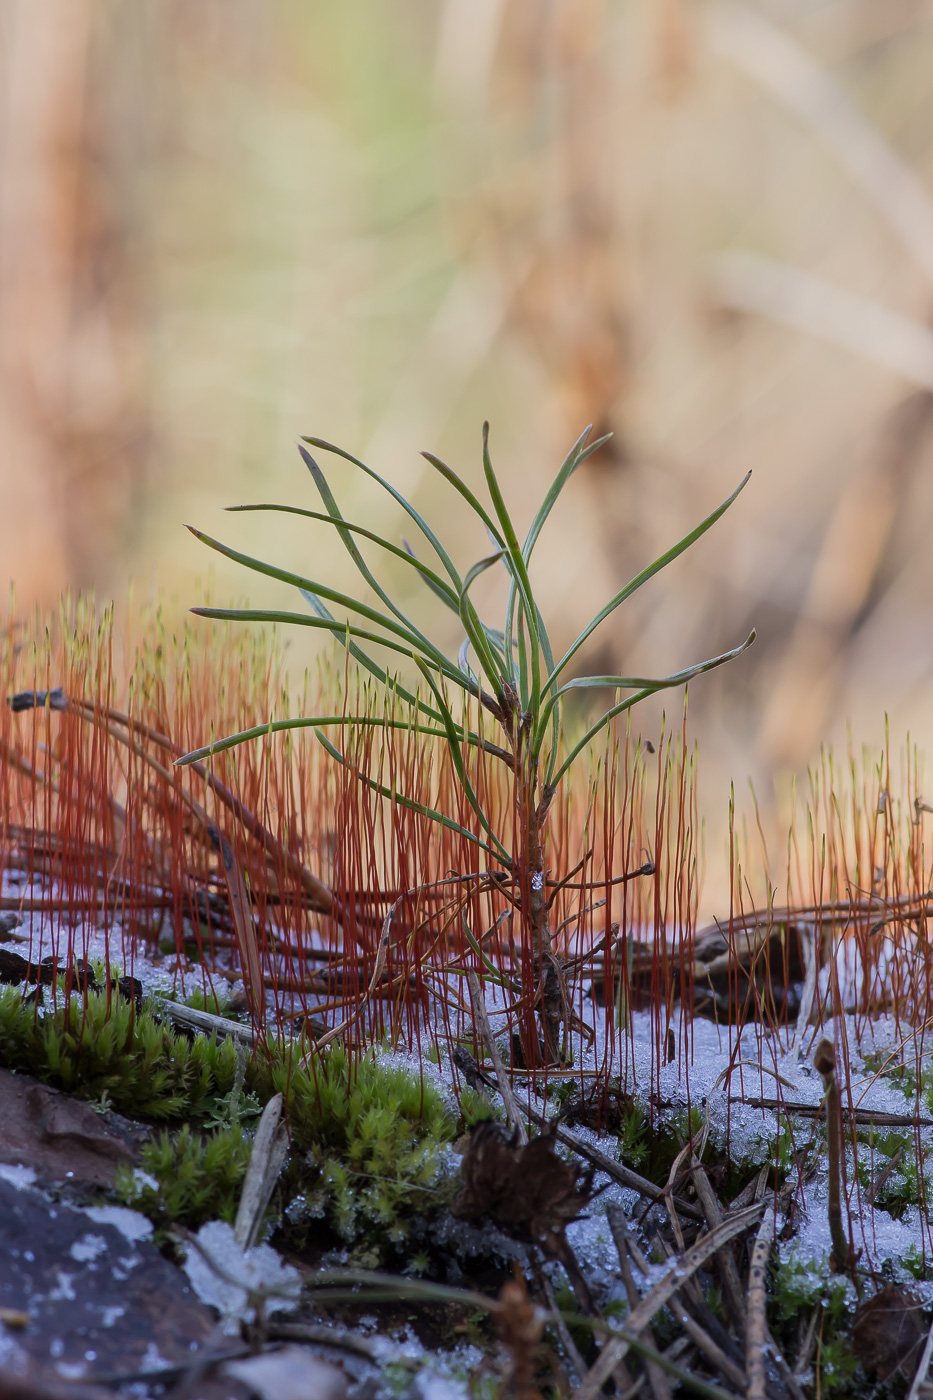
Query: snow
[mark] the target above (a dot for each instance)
(232, 1279)
(132, 1226)
(19, 1177)
(88, 1247)
(715, 1069)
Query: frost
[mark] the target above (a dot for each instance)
(88, 1247)
(153, 1360)
(17, 1176)
(132, 1226)
(63, 1290)
(71, 1370)
(230, 1278)
(433, 1387)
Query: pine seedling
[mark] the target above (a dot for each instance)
(510, 673)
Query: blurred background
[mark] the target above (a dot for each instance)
(705, 226)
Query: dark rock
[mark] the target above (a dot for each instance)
(60, 1137)
(98, 1301)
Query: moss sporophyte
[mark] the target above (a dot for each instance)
(507, 674)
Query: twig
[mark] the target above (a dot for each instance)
(206, 1021)
(680, 1270)
(577, 1364)
(616, 1217)
(729, 1274)
(863, 1116)
(623, 1175)
(692, 1301)
(513, 1117)
(704, 1342)
(824, 1062)
(556, 886)
(243, 925)
(755, 1320)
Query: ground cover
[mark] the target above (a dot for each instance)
(539, 1147)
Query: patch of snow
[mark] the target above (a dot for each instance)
(228, 1277)
(71, 1370)
(17, 1176)
(13, 1358)
(88, 1247)
(132, 1226)
(431, 1386)
(153, 1360)
(63, 1290)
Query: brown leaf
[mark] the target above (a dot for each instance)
(528, 1189)
(888, 1333)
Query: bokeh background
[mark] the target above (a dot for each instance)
(707, 226)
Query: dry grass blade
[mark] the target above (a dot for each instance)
(728, 1272)
(265, 1163)
(795, 298)
(921, 1386)
(679, 1271)
(577, 1365)
(623, 1175)
(785, 69)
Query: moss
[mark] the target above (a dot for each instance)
(895, 1154)
(476, 1108)
(192, 1178)
(799, 1289)
(368, 1140)
(101, 1048)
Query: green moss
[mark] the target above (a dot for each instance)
(103, 1049)
(798, 1289)
(877, 1150)
(367, 1138)
(633, 1136)
(368, 1142)
(196, 1178)
(475, 1108)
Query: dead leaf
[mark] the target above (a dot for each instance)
(888, 1333)
(527, 1188)
(289, 1374)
